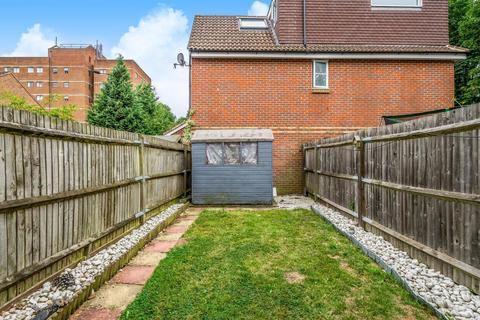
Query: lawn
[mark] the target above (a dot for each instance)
(273, 264)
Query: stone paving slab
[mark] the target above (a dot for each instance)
(176, 228)
(114, 296)
(170, 236)
(133, 275)
(96, 314)
(109, 302)
(146, 258)
(160, 246)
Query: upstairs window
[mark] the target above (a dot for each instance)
(66, 70)
(66, 84)
(232, 153)
(16, 70)
(397, 3)
(55, 84)
(320, 74)
(30, 69)
(39, 70)
(253, 24)
(55, 70)
(272, 12)
(30, 84)
(39, 84)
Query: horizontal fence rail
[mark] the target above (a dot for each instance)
(68, 189)
(416, 184)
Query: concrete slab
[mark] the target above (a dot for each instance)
(176, 228)
(187, 218)
(160, 246)
(194, 211)
(187, 223)
(96, 314)
(148, 259)
(169, 236)
(114, 296)
(134, 275)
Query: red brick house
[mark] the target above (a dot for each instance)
(316, 68)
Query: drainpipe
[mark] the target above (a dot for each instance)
(189, 82)
(305, 23)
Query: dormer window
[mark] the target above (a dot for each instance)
(253, 23)
(397, 3)
(272, 12)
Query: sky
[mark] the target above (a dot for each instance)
(148, 31)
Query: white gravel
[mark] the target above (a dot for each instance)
(294, 202)
(84, 273)
(450, 299)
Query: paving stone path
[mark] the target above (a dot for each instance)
(113, 297)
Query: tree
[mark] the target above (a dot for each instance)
(464, 29)
(158, 116)
(115, 106)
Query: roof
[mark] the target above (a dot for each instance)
(223, 34)
(232, 135)
(9, 84)
(176, 129)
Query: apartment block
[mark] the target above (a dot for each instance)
(69, 74)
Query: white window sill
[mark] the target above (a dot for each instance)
(396, 8)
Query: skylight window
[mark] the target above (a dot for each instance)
(253, 23)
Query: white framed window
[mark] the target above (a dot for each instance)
(39, 84)
(66, 98)
(272, 12)
(30, 69)
(30, 84)
(39, 98)
(54, 84)
(55, 70)
(397, 3)
(320, 74)
(6, 69)
(66, 70)
(16, 70)
(253, 23)
(39, 70)
(103, 71)
(66, 84)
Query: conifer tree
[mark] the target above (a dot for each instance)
(115, 106)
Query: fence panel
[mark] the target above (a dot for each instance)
(68, 189)
(420, 183)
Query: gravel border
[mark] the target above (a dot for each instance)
(56, 294)
(447, 299)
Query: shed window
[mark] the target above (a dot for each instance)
(214, 153)
(232, 153)
(249, 153)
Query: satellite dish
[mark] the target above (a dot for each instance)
(181, 59)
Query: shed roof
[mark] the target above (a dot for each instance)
(232, 135)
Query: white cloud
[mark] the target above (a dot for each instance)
(258, 8)
(154, 44)
(32, 43)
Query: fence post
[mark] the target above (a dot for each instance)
(360, 165)
(141, 153)
(315, 170)
(185, 170)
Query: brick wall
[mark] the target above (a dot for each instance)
(278, 94)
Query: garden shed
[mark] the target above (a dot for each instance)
(232, 166)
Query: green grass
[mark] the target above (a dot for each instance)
(234, 263)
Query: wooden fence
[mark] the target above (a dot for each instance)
(68, 189)
(416, 184)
